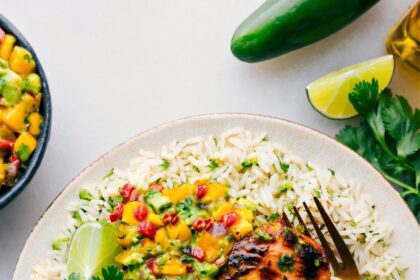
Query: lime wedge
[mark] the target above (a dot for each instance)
(93, 247)
(329, 94)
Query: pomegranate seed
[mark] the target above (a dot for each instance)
(208, 223)
(170, 218)
(157, 187)
(141, 212)
(189, 268)
(126, 190)
(152, 265)
(199, 224)
(229, 219)
(147, 229)
(175, 219)
(6, 144)
(198, 254)
(201, 191)
(118, 211)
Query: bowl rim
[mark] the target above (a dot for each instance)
(408, 215)
(46, 109)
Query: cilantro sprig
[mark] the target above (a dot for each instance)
(388, 137)
(112, 272)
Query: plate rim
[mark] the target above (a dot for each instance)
(407, 214)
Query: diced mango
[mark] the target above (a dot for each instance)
(147, 246)
(7, 46)
(161, 238)
(210, 245)
(24, 146)
(154, 218)
(180, 231)
(2, 170)
(173, 267)
(124, 257)
(241, 228)
(14, 117)
(21, 61)
(214, 192)
(35, 123)
(6, 133)
(178, 194)
(245, 213)
(224, 208)
(125, 234)
(128, 213)
(31, 102)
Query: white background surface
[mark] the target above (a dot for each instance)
(116, 68)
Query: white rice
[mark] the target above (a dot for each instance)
(352, 211)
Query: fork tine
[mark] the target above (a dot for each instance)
(342, 249)
(305, 229)
(328, 251)
(286, 220)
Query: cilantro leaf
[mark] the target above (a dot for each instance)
(165, 164)
(402, 125)
(112, 272)
(364, 97)
(286, 262)
(283, 166)
(213, 165)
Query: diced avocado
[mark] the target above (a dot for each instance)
(157, 201)
(189, 212)
(33, 83)
(4, 66)
(204, 269)
(11, 87)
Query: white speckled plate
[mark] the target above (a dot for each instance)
(299, 140)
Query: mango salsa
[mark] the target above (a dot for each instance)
(188, 231)
(20, 119)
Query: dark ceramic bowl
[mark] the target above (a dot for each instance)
(8, 194)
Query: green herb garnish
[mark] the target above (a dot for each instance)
(213, 165)
(249, 163)
(165, 164)
(388, 138)
(263, 235)
(286, 263)
(283, 166)
(85, 195)
(273, 217)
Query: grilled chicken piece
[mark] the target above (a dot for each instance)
(275, 251)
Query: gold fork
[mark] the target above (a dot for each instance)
(347, 269)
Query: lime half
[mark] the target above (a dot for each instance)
(93, 247)
(329, 94)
